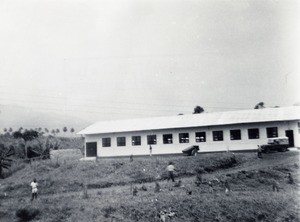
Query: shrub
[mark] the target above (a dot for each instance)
(27, 214)
(141, 177)
(223, 162)
(103, 184)
(108, 211)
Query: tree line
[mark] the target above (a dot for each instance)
(40, 130)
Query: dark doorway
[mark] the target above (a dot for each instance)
(290, 135)
(91, 149)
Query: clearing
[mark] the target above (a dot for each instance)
(110, 183)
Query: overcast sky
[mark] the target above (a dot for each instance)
(103, 59)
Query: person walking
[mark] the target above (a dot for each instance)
(34, 187)
(171, 169)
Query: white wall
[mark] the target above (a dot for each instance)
(176, 147)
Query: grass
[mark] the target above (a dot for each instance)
(110, 182)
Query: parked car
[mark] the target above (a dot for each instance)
(280, 144)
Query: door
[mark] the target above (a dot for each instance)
(91, 149)
(290, 135)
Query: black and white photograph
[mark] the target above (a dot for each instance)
(150, 110)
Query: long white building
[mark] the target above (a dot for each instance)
(220, 131)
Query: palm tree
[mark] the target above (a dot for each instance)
(65, 129)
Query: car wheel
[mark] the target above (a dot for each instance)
(283, 149)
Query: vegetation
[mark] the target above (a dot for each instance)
(198, 109)
(260, 105)
(110, 183)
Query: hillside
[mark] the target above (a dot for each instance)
(110, 181)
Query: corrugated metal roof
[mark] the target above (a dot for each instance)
(195, 120)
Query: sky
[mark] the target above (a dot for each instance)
(101, 59)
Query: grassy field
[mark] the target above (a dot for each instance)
(110, 182)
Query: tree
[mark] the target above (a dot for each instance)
(20, 129)
(65, 129)
(5, 153)
(260, 105)
(5, 130)
(57, 131)
(53, 132)
(46, 130)
(72, 130)
(26, 136)
(10, 129)
(198, 109)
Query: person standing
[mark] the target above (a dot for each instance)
(34, 187)
(171, 169)
(259, 152)
(150, 150)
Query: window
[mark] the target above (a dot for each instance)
(121, 141)
(106, 142)
(151, 139)
(235, 134)
(253, 133)
(200, 136)
(167, 138)
(272, 132)
(183, 137)
(136, 140)
(218, 135)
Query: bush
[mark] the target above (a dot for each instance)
(224, 162)
(108, 211)
(103, 184)
(141, 177)
(27, 214)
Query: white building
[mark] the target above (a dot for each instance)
(233, 130)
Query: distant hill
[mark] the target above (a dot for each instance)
(18, 116)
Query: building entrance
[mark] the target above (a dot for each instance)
(290, 135)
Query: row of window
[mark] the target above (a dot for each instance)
(184, 137)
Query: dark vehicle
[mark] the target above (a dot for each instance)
(280, 144)
(191, 150)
